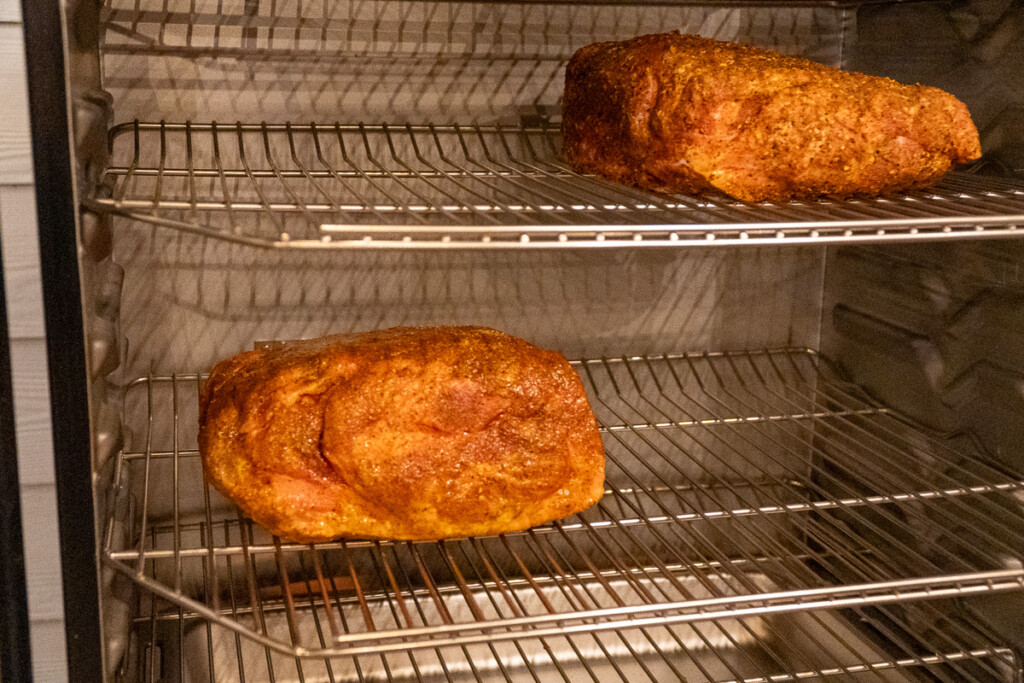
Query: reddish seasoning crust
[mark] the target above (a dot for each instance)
(681, 113)
(405, 433)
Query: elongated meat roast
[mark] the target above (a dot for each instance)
(681, 113)
(406, 433)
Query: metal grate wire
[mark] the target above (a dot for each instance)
(526, 30)
(744, 490)
(473, 186)
(403, 60)
(747, 651)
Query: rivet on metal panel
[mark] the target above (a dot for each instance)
(109, 280)
(96, 237)
(92, 114)
(107, 439)
(118, 597)
(103, 347)
(119, 592)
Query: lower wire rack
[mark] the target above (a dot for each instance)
(808, 646)
(313, 186)
(753, 500)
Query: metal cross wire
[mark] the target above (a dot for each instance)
(472, 186)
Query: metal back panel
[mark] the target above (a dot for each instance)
(398, 61)
(189, 302)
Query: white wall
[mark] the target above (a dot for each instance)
(28, 357)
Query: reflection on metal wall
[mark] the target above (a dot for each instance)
(391, 61)
(973, 49)
(189, 301)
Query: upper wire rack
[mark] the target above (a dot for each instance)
(738, 485)
(473, 186)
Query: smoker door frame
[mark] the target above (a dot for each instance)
(15, 652)
(56, 207)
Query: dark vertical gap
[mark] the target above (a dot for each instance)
(65, 347)
(251, 31)
(15, 657)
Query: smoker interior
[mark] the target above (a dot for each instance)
(747, 492)
(812, 411)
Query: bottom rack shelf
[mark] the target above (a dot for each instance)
(808, 646)
(753, 502)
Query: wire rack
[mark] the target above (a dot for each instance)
(171, 647)
(402, 60)
(742, 489)
(457, 28)
(378, 186)
(254, 29)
